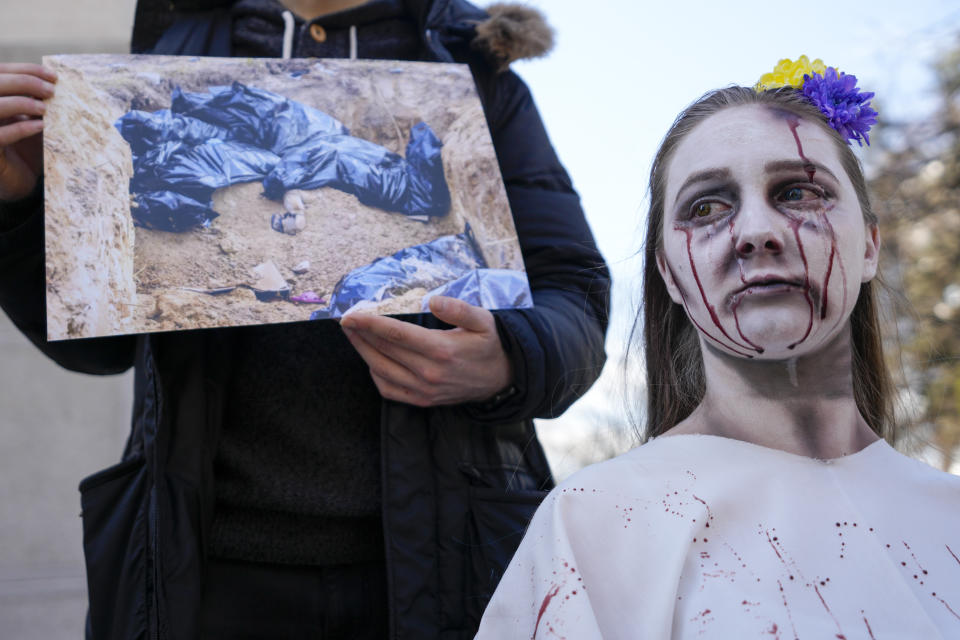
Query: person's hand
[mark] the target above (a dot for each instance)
(23, 87)
(431, 367)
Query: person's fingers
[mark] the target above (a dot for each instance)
(19, 130)
(17, 118)
(426, 365)
(29, 68)
(30, 149)
(13, 106)
(21, 84)
(462, 314)
(392, 391)
(380, 364)
(427, 353)
(404, 334)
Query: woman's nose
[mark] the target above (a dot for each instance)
(757, 232)
(747, 248)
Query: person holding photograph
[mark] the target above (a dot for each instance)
(766, 501)
(316, 480)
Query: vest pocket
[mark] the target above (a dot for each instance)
(114, 510)
(496, 522)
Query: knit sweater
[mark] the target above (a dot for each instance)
(297, 468)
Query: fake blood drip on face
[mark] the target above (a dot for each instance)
(826, 280)
(736, 305)
(843, 270)
(795, 223)
(793, 122)
(713, 312)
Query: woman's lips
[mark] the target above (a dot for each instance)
(766, 288)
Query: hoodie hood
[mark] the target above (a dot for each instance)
(504, 32)
(513, 32)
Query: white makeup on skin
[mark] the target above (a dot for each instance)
(760, 231)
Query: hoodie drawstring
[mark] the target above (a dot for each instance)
(288, 25)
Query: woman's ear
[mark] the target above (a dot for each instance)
(667, 274)
(871, 255)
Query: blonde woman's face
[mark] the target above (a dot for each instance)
(764, 242)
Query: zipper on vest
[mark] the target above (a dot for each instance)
(153, 518)
(388, 569)
(152, 549)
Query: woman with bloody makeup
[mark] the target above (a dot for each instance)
(766, 501)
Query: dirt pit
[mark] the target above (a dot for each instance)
(340, 234)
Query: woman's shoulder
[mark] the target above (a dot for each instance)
(713, 463)
(643, 469)
(901, 475)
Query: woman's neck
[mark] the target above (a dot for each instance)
(310, 9)
(803, 405)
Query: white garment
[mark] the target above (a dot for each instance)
(694, 536)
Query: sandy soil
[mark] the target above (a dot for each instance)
(377, 100)
(89, 232)
(340, 235)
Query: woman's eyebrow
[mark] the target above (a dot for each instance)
(707, 175)
(779, 166)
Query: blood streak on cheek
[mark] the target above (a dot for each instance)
(736, 305)
(795, 222)
(833, 255)
(826, 280)
(736, 322)
(710, 309)
(793, 122)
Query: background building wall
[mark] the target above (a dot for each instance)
(56, 426)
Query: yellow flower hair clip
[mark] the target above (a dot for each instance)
(834, 93)
(788, 73)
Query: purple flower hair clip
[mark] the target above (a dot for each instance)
(846, 107)
(835, 93)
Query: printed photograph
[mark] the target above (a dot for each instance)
(185, 193)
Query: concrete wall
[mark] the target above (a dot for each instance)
(55, 426)
(33, 28)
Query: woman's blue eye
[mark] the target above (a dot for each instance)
(800, 194)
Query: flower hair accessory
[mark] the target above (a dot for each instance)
(833, 92)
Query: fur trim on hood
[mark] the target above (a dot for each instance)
(513, 32)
